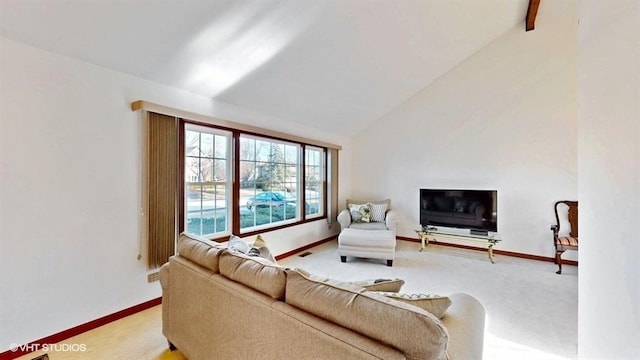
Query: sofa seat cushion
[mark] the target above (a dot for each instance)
(353, 307)
(368, 226)
(201, 251)
(567, 243)
(255, 272)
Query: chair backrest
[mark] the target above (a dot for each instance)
(572, 215)
(352, 201)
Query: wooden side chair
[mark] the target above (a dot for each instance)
(565, 242)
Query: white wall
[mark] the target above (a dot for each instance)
(503, 119)
(70, 155)
(609, 179)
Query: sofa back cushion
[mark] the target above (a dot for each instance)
(385, 201)
(352, 307)
(201, 251)
(255, 272)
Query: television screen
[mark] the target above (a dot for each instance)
(469, 209)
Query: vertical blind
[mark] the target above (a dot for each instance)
(332, 186)
(162, 185)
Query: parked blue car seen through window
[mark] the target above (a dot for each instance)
(271, 198)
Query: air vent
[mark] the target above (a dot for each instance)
(153, 277)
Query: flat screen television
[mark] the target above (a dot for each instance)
(459, 208)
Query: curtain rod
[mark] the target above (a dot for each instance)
(166, 110)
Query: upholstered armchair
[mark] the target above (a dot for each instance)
(381, 216)
(368, 230)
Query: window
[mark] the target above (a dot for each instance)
(197, 178)
(279, 183)
(207, 181)
(269, 182)
(314, 170)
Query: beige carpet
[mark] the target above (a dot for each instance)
(532, 312)
(135, 337)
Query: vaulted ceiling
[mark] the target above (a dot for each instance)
(336, 65)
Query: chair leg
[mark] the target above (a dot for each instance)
(343, 259)
(389, 262)
(559, 262)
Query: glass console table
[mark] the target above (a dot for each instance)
(490, 239)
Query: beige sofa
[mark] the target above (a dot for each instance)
(220, 304)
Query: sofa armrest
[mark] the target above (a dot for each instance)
(163, 275)
(465, 322)
(391, 219)
(344, 218)
(164, 283)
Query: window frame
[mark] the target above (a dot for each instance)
(256, 161)
(234, 162)
(323, 180)
(227, 183)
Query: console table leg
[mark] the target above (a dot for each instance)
(490, 251)
(424, 240)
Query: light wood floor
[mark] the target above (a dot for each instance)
(114, 341)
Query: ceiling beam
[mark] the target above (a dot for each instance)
(532, 11)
